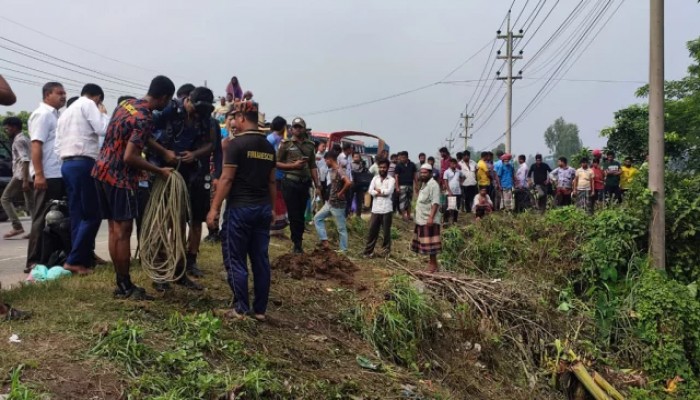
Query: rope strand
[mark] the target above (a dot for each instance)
(163, 242)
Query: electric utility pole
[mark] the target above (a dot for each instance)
(467, 125)
(657, 229)
(449, 141)
(509, 57)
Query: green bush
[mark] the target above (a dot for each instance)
(668, 322)
(397, 327)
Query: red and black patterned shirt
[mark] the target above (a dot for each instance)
(132, 121)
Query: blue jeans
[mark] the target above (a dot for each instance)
(339, 216)
(246, 233)
(83, 205)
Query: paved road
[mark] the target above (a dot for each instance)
(13, 253)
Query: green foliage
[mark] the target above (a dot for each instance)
(668, 322)
(612, 243)
(23, 115)
(682, 220)
(562, 138)
(124, 344)
(257, 384)
(198, 331)
(186, 367)
(357, 227)
(452, 246)
(629, 135)
(397, 327)
(18, 390)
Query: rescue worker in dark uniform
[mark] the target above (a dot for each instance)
(185, 128)
(296, 158)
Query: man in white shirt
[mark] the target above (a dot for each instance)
(345, 159)
(522, 195)
(452, 183)
(45, 166)
(469, 187)
(382, 191)
(426, 234)
(78, 134)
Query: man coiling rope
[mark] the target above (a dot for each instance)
(163, 244)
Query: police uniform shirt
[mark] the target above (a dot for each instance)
(291, 151)
(254, 158)
(174, 133)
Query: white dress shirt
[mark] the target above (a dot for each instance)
(469, 171)
(42, 128)
(382, 204)
(345, 163)
(454, 179)
(79, 129)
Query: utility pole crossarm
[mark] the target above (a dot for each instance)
(467, 126)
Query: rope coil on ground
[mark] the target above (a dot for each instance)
(163, 241)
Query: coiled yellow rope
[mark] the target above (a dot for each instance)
(163, 241)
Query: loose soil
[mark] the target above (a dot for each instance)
(320, 265)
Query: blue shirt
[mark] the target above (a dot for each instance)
(275, 141)
(505, 174)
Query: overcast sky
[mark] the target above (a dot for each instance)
(304, 56)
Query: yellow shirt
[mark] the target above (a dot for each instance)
(482, 173)
(626, 176)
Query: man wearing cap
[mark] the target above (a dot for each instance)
(296, 158)
(248, 183)
(185, 128)
(505, 177)
(426, 234)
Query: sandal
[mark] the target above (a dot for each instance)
(14, 314)
(230, 314)
(13, 233)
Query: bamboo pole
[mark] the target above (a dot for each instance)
(598, 378)
(585, 378)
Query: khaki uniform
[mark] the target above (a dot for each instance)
(291, 151)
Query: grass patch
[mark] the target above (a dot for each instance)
(399, 325)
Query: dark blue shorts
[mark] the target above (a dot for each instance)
(117, 204)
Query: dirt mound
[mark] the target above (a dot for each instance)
(318, 264)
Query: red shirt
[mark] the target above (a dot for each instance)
(132, 122)
(598, 178)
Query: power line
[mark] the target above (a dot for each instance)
(493, 112)
(41, 84)
(395, 95)
(63, 78)
(539, 96)
(556, 33)
(81, 48)
(561, 64)
(581, 54)
(558, 79)
(118, 80)
(521, 12)
(536, 12)
(466, 61)
(582, 26)
(539, 26)
(69, 69)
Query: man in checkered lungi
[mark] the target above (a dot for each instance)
(426, 235)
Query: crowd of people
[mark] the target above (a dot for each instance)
(93, 166)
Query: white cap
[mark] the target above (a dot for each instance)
(426, 166)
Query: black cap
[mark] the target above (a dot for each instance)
(202, 99)
(201, 95)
